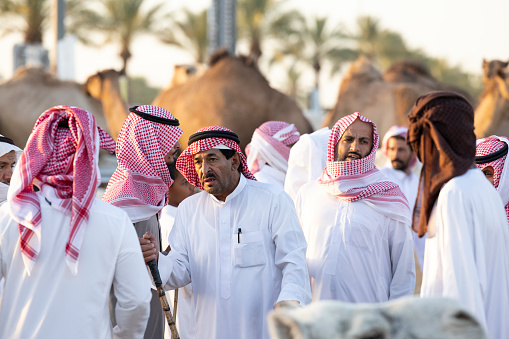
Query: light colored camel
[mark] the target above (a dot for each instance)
(408, 317)
(385, 99)
(492, 114)
(31, 91)
(231, 93)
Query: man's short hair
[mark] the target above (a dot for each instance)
(399, 137)
(228, 153)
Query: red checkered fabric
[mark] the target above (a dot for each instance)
(63, 163)
(270, 145)
(185, 163)
(140, 183)
(358, 170)
(488, 146)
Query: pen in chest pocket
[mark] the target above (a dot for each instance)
(238, 235)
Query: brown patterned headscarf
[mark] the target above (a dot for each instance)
(441, 131)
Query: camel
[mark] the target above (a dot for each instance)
(32, 90)
(385, 99)
(492, 114)
(232, 93)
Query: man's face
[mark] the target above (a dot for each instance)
(218, 176)
(488, 172)
(356, 142)
(7, 162)
(399, 153)
(170, 157)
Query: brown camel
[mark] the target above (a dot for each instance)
(31, 91)
(231, 93)
(492, 114)
(385, 99)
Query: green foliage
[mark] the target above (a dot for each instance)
(26, 16)
(141, 93)
(188, 32)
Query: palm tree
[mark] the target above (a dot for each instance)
(122, 21)
(26, 16)
(368, 36)
(191, 34)
(261, 19)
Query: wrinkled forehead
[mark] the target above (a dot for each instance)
(207, 153)
(360, 129)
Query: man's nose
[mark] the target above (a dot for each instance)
(354, 147)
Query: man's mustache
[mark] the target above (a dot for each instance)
(352, 153)
(209, 175)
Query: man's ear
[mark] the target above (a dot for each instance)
(235, 161)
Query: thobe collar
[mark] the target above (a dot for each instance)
(236, 191)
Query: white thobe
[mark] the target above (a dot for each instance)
(467, 250)
(355, 254)
(271, 175)
(308, 158)
(409, 184)
(51, 302)
(237, 278)
(186, 325)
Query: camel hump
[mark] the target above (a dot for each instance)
(407, 71)
(223, 53)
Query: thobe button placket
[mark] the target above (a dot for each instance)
(225, 250)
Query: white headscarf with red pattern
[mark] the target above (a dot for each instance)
(269, 145)
(360, 179)
(141, 181)
(488, 146)
(63, 163)
(185, 163)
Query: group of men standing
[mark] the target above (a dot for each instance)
(243, 247)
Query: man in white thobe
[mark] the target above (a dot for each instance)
(62, 249)
(238, 242)
(9, 154)
(307, 160)
(491, 158)
(356, 222)
(467, 241)
(400, 162)
(269, 149)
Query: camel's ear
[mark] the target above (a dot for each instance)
(283, 326)
(484, 62)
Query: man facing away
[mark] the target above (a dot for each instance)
(467, 240)
(62, 249)
(146, 145)
(400, 161)
(179, 190)
(491, 158)
(238, 242)
(268, 152)
(356, 222)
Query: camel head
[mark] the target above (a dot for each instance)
(183, 73)
(94, 84)
(494, 68)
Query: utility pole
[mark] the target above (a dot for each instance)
(222, 25)
(57, 15)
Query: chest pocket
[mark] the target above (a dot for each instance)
(362, 232)
(249, 251)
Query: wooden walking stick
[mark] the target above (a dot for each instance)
(175, 300)
(152, 265)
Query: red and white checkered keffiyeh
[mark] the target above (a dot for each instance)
(185, 163)
(63, 163)
(394, 131)
(269, 145)
(141, 181)
(490, 145)
(360, 179)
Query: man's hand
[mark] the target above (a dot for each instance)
(286, 303)
(149, 247)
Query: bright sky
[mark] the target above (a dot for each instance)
(462, 31)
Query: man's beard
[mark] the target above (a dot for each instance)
(400, 165)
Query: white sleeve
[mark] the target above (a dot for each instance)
(459, 263)
(401, 247)
(297, 172)
(290, 254)
(131, 285)
(174, 267)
